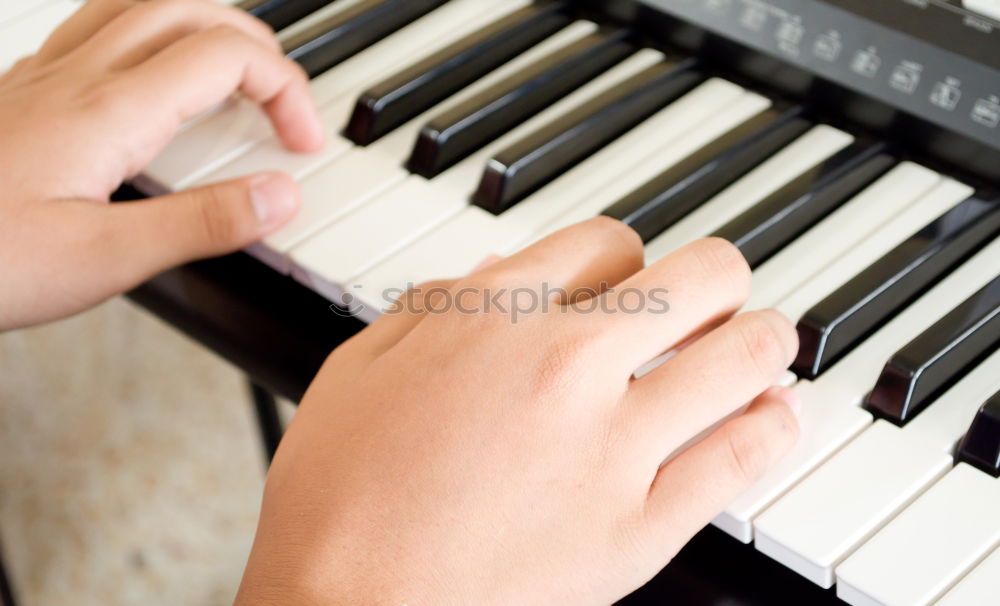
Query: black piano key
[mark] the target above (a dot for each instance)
(326, 44)
(279, 14)
(981, 445)
(927, 366)
(868, 300)
(521, 169)
(783, 216)
(422, 85)
(670, 196)
(454, 134)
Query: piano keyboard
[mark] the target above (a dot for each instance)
(463, 128)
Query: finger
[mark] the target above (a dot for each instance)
(573, 263)
(690, 490)
(720, 372)
(147, 237)
(82, 26)
(669, 302)
(149, 27)
(205, 68)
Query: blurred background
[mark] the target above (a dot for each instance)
(130, 465)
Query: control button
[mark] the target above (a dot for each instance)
(906, 77)
(946, 94)
(866, 63)
(828, 46)
(987, 112)
(719, 6)
(789, 35)
(990, 8)
(754, 18)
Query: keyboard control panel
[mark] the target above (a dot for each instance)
(938, 61)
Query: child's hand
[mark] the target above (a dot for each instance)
(459, 457)
(92, 108)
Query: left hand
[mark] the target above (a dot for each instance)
(97, 103)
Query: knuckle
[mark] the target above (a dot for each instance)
(219, 227)
(763, 340)
(225, 30)
(617, 232)
(720, 258)
(747, 456)
(103, 95)
(159, 10)
(561, 363)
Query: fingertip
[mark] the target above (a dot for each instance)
(299, 127)
(787, 396)
(276, 199)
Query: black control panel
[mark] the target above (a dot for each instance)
(931, 58)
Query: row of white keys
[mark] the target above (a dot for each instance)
(198, 153)
(814, 527)
(852, 237)
(800, 156)
(25, 34)
(848, 226)
(716, 107)
(831, 415)
(365, 173)
(929, 546)
(362, 239)
(850, 263)
(978, 588)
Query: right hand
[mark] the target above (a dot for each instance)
(464, 457)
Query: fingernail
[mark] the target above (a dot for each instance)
(791, 398)
(273, 200)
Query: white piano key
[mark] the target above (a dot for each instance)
(979, 588)
(831, 415)
(990, 8)
(24, 35)
(476, 233)
(929, 546)
(871, 249)
(868, 481)
(850, 224)
(364, 173)
(11, 10)
(359, 241)
(806, 152)
(225, 135)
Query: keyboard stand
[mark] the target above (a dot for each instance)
(6, 591)
(268, 420)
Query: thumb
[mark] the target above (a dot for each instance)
(206, 221)
(78, 253)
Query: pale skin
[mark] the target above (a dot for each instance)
(444, 458)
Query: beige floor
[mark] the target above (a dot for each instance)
(129, 467)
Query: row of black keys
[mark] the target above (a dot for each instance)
(912, 379)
